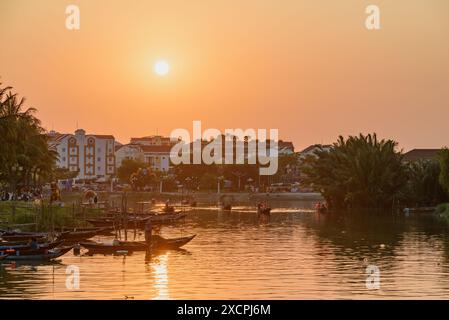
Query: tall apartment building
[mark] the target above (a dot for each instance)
(91, 155)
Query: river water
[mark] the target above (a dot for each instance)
(297, 254)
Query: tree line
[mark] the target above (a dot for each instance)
(25, 159)
(366, 172)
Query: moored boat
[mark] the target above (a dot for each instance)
(76, 235)
(158, 243)
(35, 256)
(25, 246)
(23, 236)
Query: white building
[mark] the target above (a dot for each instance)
(128, 151)
(157, 156)
(92, 156)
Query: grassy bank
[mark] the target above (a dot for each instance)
(443, 211)
(43, 217)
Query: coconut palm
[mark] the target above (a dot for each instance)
(360, 171)
(24, 154)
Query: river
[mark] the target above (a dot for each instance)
(297, 254)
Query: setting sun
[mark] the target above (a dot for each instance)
(161, 67)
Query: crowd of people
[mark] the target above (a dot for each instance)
(25, 194)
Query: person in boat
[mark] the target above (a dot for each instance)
(168, 208)
(116, 242)
(34, 244)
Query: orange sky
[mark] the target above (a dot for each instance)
(306, 67)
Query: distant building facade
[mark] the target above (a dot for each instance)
(128, 152)
(92, 155)
(157, 156)
(156, 151)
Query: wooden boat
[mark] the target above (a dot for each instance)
(265, 211)
(22, 242)
(166, 218)
(138, 222)
(226, 207)
(158, 243)
(49, 255)
(176, 243)
(77, 235)
(110, 222)
(23, 246)
(23, 236)
(106, 231)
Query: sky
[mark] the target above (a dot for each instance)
(309, 68)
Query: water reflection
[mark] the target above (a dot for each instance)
(294, 254)
(160, 274)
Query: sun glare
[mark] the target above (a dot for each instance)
(161, 67)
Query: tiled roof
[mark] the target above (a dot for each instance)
(156, 148)
(103, 136)
(421, 154)
(316, 146)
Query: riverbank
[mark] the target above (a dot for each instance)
(202, 197)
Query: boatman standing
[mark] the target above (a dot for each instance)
(148, 232)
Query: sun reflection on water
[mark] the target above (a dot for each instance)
(160, 273)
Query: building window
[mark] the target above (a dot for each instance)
(99, 149)
(63, 149)
(98, 168)
(98, 159)
(63, 158)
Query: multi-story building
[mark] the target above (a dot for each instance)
(92, 155)
(157, 156)
(128, 151)
(156, 151)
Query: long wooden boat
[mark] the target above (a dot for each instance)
(24, 246)
(166, 218)
(226, 207)
(139, 222)
(76, 235)
(23, 237)
(158, 243)
(50, 255)
(265, 211)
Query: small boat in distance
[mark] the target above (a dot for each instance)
(263, 208)
(321, 207)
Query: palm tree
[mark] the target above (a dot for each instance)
(360, 171)
(24, 152)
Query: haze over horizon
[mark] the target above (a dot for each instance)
(309, 68)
